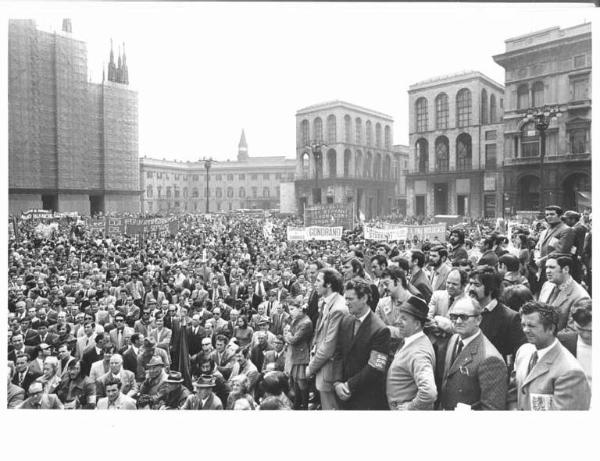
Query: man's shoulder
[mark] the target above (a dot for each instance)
(488, 350)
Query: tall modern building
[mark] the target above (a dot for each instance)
(548, 67)
(73, 144)
(344, 154)
(248, 183)
(455, 132)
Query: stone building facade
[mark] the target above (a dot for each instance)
(456, 145)
(548, 67)
(73, 144)
(355, 161)
(248, 183)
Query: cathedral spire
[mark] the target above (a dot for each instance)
(112, 70)
(119, 67)
(125, 70)
(243, 148)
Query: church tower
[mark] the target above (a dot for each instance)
(112, 69)
(242, 149)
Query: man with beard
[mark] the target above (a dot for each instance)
(440, 269)
(418, 278)
(457, 240)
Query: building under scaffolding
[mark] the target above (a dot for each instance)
(73, 144)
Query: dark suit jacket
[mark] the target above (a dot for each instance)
(567, 339)
(30, 351)
(502, 327)
(361, 361)
(30, 376)
(130, 360)
(313, 308)
(420, 281)
(478, 377)
(88, 357)
(195, 340)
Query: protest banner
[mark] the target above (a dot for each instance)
(324, 233)
(330, 215)
(431, 232)
(372, 233)
(36, 214)
(296, 233)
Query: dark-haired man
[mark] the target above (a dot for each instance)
(417, 277)
(438, 256)
(547, 376)
(561, 290)
(557, 238)
(457, 240)
(361, 353)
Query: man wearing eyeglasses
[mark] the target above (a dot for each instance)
(474, 374)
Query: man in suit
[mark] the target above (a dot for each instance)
(15, 395)
(500, 324)
(561, 290)
(361, 353)
(579, 342)
(474, 372)
(204, 398)
(329, 286)
(418, 279)
(131, 354)
(23, 376)
(395, 291)
(196, 333)
(488, 256)
(573, 220)
(261, 288)
(438, 256)
(279, 319)
(547, 376)
(457, 240)
(442, 300)
(45, 336)
(222, 355)
(312, 308)
(144, 324)
(102, 366)
(19, 348)
(120, 335)
(129, 386)
(30, 336)
(161, 334)
(38, 400)
(87, 340)
(93, 353)
(410, 382)
(558, 237)
(115, 399)
(298, 338)
(274, 360)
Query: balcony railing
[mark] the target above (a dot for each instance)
(309, 176)
(449, 169)
(547, 159)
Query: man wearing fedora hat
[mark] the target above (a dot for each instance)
(176, 393)
(38, 400)
(204, 398)
(410, 379)
(154, 384)
(361, 354)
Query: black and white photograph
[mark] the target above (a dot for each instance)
(309, 207)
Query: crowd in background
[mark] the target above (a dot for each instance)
(224, 315)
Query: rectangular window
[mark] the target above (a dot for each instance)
(489, 202)
(195, 177)
(277, 175)
(149, 174)
(242, 177)
(490, 135)
(254, 192)
(490, 156)
(266, 176)
(176, 177)
(579, 89)
(579, 61)
(218, 177)
(254, 177)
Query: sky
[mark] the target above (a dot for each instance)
(205, 71)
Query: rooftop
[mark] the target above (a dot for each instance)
(338, 103)
(546, 35)
(457, 76)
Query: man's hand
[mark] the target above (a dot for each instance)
(342, 391)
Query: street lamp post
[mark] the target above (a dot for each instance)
(207, 164)
(541, 117)
(315, 148)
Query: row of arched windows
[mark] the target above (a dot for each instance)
(464, 154)
(383, 136)
(376, 166)
(488, 112)
(229, 191)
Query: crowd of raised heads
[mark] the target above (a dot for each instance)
(225, 315)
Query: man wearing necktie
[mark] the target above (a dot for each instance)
(474, 372)
(547, 376)
(362, 352)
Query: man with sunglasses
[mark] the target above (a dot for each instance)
(474, 375)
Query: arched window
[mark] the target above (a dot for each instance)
(266, 192)
(463, 152)
(347, 129)
(158, 191)
(422, 155)
(218, 192)
(388, 137)
(369, 133)
(387, 167)
(331, 130)
(530, 141)
(441, 111)
(332, 163)
(195, 192)
(358, 131)
(347, 162)
(484, 107)
(493, 118)
(305, 133)
(149, 191)
(242, 192)
(358, 164)
(318, 129)
(378, 135)
(377, 167)
(421, 114)
(441, 154)
(537, 94)
(368, 164)
(168, 192)
(230, 192)
(463, 107)
(523, 96)
(305, 163)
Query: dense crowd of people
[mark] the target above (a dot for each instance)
(224, 315)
